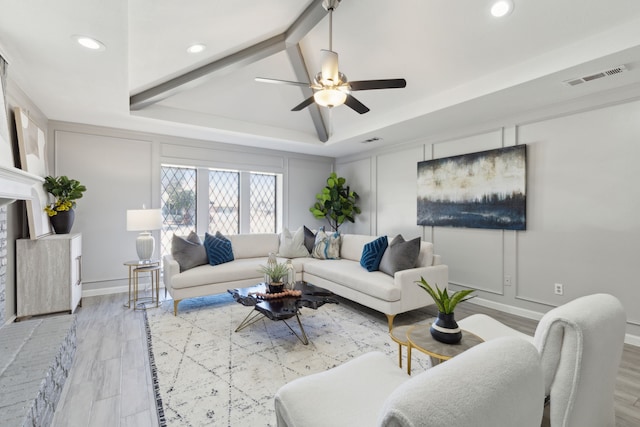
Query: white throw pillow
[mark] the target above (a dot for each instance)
(327, 245)
(292, 246)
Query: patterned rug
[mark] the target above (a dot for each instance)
(207, 374)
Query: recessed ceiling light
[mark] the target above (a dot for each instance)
(196, 48)
(89, 42)
(502, 8)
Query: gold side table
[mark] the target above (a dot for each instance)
(420, 338)
(132, 266)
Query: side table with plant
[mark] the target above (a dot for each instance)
(65, 192)
(445, 328)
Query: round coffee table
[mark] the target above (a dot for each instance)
(420, 338)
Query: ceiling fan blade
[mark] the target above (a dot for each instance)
(378, 84)
(303, 104)
(280, 82)
(356, 105)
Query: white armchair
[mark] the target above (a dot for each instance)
(580, 345)
(495, 384)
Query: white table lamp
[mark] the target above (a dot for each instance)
(144, 220)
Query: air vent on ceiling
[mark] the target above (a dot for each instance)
(370, 140)
(606, 73)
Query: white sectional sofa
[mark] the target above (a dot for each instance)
(345, 277)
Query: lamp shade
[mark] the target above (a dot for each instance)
(144, 219)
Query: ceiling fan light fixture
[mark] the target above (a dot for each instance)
(330, 97)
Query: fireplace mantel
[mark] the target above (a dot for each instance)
(16, 184)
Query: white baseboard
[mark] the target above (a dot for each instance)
(108, 290)
(505, 308)
(535, 315)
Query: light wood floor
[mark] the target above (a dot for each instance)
(110, 382)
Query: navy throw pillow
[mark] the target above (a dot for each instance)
(372, 253)
(218, 248)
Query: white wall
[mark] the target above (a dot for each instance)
(121, 170)
(583, 200)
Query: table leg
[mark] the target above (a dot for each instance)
(157, 274)
(304, 340)
(128, 304)
(251, 318)
(409, 359)
(400, 355)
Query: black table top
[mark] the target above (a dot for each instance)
(285, 307)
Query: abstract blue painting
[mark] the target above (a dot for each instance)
(486, 189)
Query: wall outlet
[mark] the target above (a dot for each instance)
(507, 281)
(558, 289)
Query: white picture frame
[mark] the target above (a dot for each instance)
(6, 150)
(32, 144)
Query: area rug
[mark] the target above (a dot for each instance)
(207, 374)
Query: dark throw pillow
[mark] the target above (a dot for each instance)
(400, 255)
(309, 239)
(372, 253)
(218, 248)
(188, 252)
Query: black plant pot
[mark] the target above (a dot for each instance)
(63, 221)
(445, 329)
(276, 288)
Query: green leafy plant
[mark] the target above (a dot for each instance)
(446, 303)
(65, 191)
(276, 271)
(336, 203)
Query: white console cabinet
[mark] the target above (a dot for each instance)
(48, 274)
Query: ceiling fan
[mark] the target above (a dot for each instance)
(331, 87)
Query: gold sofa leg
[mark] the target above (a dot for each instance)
(390, 318)
(175, 306)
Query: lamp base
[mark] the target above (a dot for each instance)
(145, 244)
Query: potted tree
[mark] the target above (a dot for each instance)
(445, 328)
(336, 202)
(65, 192)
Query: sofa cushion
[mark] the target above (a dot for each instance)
(327, 246)
(188, 252)
(352, 244)
(292, 246)
(218, 248)
(309, 239)
(239, 270)
(352, 275)
(372, 253)
(400, 255)
(254, 245)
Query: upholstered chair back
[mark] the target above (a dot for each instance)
(496, 384)
(580, 345)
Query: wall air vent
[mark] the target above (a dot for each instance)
(606, 73)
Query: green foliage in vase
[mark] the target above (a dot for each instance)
(276, 272)
(65, 192)
(336, 203)
(446, 302)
